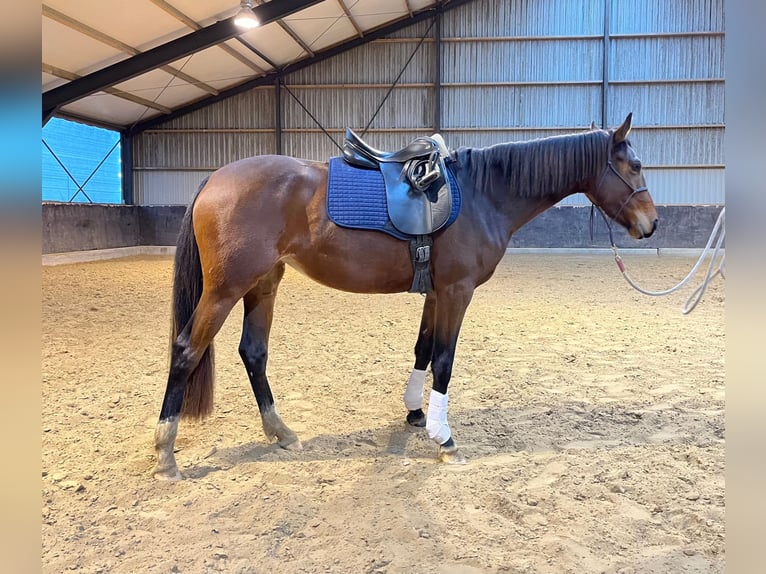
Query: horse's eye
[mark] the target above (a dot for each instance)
(635, 165)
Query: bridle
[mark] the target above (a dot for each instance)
(634, 190)
(718, 231)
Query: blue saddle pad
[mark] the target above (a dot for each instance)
(356, 198)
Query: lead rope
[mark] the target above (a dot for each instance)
(719, 230)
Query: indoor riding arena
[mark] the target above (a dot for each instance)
(586, 405)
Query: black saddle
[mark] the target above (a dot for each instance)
(417, 191)
(418, 195)
(359, 152)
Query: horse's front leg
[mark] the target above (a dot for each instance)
(424, 348)
(453, 302)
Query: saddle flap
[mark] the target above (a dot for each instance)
(415, 212)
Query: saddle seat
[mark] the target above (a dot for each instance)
(358, 152)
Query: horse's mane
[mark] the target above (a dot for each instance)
(540, 167)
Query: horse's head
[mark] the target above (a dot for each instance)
(620, 190)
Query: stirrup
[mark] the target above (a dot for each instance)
(427, 179)
(431, 173)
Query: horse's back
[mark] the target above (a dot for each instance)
(259, 185)
(268, 172)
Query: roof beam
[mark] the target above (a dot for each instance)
(351, 18)
(290, 32)
(66, 75)
(175, 12)
(164, 54)
(181, 17)
(115, 43)
(271, 77)
(258, 53)
(409, 8)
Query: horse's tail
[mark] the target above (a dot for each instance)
(187, 290)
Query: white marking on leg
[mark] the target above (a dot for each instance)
(271, 422)
(436, 420)
(413, 394)
(273, 427)
(164, 441)
(166, 433)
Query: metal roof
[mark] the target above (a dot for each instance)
(126, 65)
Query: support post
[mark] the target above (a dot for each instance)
(605, 70)
(278, 115)
(438, 72)
(126, 167)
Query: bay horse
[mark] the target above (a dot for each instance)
(254, 216)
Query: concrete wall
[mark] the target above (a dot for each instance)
(80, 227)
(159, 224)
(84, 227)
(680, 226)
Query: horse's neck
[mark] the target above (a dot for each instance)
(522, 180)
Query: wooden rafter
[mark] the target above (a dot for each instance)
(67, 75)
(181, 17)
(78, 26)
(350, 17)
(290, 32)
(162, 55)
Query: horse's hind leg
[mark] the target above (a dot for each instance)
(254, 348)
(186, 352)
(413, 394)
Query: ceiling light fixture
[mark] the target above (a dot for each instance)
(246, 18)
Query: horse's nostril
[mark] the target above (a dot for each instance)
(652, 230)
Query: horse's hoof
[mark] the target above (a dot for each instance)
(416, 418)
(170, 475)
(291, 444)
(451, 455)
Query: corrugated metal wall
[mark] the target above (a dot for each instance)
(170, 162)
(508, 71)
(666, 64)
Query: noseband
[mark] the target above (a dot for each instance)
(634, 191)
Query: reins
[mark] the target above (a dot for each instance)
(719, 231)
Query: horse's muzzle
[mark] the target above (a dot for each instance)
(643, 228)
(646, 234)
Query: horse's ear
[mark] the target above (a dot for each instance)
(593, 126)
(621, 133)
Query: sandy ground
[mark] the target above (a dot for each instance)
(592, 417)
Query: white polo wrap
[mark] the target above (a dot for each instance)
(413, 394)
(436, 420)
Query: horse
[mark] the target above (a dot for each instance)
(254, 216)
